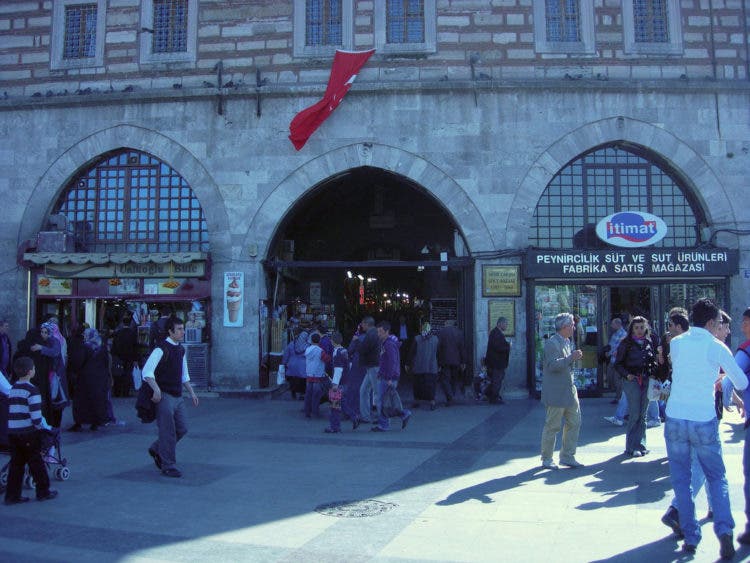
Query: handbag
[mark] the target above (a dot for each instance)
(281, 375)
(57, 396)
(654, 389)
(137, 377)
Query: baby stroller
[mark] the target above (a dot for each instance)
(53, 459)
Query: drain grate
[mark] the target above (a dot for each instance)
(355, 508)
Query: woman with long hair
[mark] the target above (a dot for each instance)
(636, 362)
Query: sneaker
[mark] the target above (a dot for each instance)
(726, 550)
(671, 519)
(653, 424)
(571, 462)
(549, 464)
(688, 548)
(644, 451)
(49, 495)
(405, 420)
(634, 453)
(171, 472)
(614, 420)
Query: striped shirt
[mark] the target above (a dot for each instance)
(25, 409)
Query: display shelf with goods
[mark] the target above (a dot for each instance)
(580, 301)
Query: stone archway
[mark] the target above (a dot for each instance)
(689, 164)
(437, 183)
(170, 151)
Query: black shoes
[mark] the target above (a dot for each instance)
(19, 500)
(155, 455)
(49, 495)
(356, 422)
(171, 472)
(726, 550)
(75, 428)
(744, 537)
(688, 548)
(671, 519)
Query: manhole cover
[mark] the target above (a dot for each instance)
(354, 508)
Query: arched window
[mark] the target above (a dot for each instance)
(608, 180)
(129, 201)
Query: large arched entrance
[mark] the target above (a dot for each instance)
(368, 241)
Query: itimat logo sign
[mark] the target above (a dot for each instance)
(631, 229)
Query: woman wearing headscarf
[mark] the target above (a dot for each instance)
(91, 366)
(44, 349)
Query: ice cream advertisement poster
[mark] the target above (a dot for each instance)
(234, 283)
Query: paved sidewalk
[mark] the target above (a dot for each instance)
(262, 483)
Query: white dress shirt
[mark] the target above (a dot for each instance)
(696, 358)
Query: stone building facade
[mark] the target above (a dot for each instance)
(481, 115)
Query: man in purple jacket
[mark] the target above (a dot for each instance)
(389, 370)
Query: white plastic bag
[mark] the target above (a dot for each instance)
(281, 375)
(137, 377)
(654, 389)
(337, 373)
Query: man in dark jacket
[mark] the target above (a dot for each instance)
(496, 359)
(125, 354)
(451, 359)
(369, 356)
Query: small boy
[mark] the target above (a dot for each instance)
(26, 426)
(336, 393)
(315, 363)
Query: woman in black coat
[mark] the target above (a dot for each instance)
(91, 366)
(636, 362)
(44, 350)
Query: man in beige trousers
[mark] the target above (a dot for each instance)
(559, 394)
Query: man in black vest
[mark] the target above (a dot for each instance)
(166, 371)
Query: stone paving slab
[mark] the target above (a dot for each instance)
(262, 483)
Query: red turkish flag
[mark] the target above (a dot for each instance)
(346, 65)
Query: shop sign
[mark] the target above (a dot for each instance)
(501, 281)
(194, 269)
(234, 283)
(497, 308)
(631, 229)
(629, 263)
(46, 285)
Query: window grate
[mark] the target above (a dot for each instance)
(170, 26)
(323, 23)
(651, 21)
(606, 181)
(80, 31)
(132, 202)
(405, 21)
(563, 20)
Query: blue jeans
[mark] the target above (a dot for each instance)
(697, 480)
(653, 413)
(746, 471)
(637, 395)
(683, 437)
(313, 394)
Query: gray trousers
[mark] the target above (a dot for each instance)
(369, 385)
(171, 418)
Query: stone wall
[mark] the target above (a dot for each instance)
(497, 34)
(486, 159)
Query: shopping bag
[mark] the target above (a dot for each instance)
(137, 377)
(391, 403)
(654, 389)
(281, 375)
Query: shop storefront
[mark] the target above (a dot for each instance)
(98, 289)
(597, 285)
